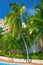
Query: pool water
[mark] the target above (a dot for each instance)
(2, 63)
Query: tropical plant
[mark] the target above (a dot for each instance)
(13, 19)
(38, 22)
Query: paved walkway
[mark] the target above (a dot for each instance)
(13, 61)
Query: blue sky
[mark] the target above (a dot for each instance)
(4, 6)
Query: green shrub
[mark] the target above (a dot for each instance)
(1, 54)
(20, 56)
(36, 56)
(12, 55)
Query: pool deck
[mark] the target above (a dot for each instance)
(20, 61)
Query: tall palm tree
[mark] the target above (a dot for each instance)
(13, 19)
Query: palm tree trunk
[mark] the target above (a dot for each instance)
(25, 47)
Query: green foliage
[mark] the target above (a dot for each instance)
(20, 56)
(13, 19)
(12, 42)
(1, 30)
(36, 56)
(12, 55)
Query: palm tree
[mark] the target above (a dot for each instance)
(13, 19)
(38, 22)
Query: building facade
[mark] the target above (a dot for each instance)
(5, 27)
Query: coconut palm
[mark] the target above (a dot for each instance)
(38, 22)
(14, 20)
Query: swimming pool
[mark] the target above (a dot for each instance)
(3, 63)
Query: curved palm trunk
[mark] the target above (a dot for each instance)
(25, 47)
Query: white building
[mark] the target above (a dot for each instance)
(5, 27)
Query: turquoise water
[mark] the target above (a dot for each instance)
(2, 63)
